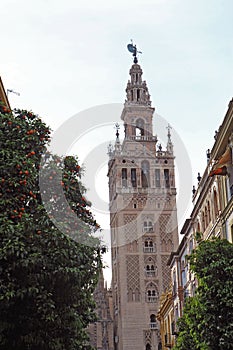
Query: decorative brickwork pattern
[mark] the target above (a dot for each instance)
(133, 277)
(166, 274)
(130, 222)
(165, 233)
(165, 225)
(147, 337)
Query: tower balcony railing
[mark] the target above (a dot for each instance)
(153, 325)
(141, 138)
(148, 229)
(149, 249)
(152, 299)
(150, 273)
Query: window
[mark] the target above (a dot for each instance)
(203, 221)
(151, 270)
(183, 274)
(153, 322)
(140, 128)
(166, 178)
(152, 296)
(157, 178)
(190, 245)
(148, 347)
(133, 177)
(124, 177)
(148, 246)
(174, 283)
(208, 212)
(148, 226)
(145, 174)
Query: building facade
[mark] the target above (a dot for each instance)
(3, 95)
(101, 331)
(212, 216)
(143, 220)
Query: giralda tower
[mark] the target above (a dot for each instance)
(143, 219)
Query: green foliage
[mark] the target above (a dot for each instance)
(47, 276)
(207, 321)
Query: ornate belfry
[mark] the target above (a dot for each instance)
(143, 220)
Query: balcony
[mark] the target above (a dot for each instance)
(148, 229)
(153, 325)
(148, 249)
(150, 273)
(152, 299)
(141, 138)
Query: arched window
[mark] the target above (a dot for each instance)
(157, 178)
(153, 321)
(145, 174)
(133, 177)
(140, 129)
(151, 293)
(148, 246)
(147, 225)
(124, 177)
(148, 347)
(166, 178)
(151, 268)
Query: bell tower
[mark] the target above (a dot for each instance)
(143, 219)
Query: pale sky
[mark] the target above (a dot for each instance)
(66, 56)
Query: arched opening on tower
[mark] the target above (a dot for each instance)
(124, 177)
(151, 293)
(153, 321)
(145, 174)
(140, 130)
(133, 177)
(148, 346)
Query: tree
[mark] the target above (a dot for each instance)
(47, 276)
(208, 316)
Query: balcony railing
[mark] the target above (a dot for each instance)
(148, 229)
(153, 325)
(153, 299)
(150, 273)
(149, 249)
